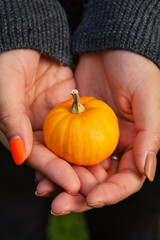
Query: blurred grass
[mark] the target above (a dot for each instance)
(69, 227)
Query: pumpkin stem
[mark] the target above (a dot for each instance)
(77, 106)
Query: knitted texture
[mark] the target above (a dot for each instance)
(120, 24)
(35, 24)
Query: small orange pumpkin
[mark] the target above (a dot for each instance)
(83, 133)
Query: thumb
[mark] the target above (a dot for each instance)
(14, 122)
(146, 111)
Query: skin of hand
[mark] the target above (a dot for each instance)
(64, 202)
(130, 84)
(31, 84)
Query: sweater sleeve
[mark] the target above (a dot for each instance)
(35, 24)
(120, 24)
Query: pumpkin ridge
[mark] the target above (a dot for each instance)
(49, 120)
(86, 122)
(52, 125)
(110, 115)
(101, 121)
(91, 147)
(108, 127)
(61, 138)
(78, 138)
(86, 99)
(101, 107)
(89, 122)
(70, 140)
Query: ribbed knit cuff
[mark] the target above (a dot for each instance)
(35, 24)
(120, 24)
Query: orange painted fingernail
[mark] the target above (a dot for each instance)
(67, 192)
(18, 150)
(72, 194)
(108, 170)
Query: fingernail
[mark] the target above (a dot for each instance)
(60, 214)
(150, 166)
(108, 171)
(67, 192)
(18, 150)
(72, 194)
(45, 194)
(96, 205)
(84, 208)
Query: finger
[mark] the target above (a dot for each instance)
(119, 186)
(14, 123)
(39, 177)
(87, 180)
(146, 110)
(4, 140)
(90, 176)
(64, 204)
(113, 168)
(99, 172)
(54, 168)
(46, 188)
(106, 164)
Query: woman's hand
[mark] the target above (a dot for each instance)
(130, 84)
(31, 85)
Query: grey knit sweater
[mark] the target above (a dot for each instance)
(35, 24)
(120, 24)
(106, 24)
